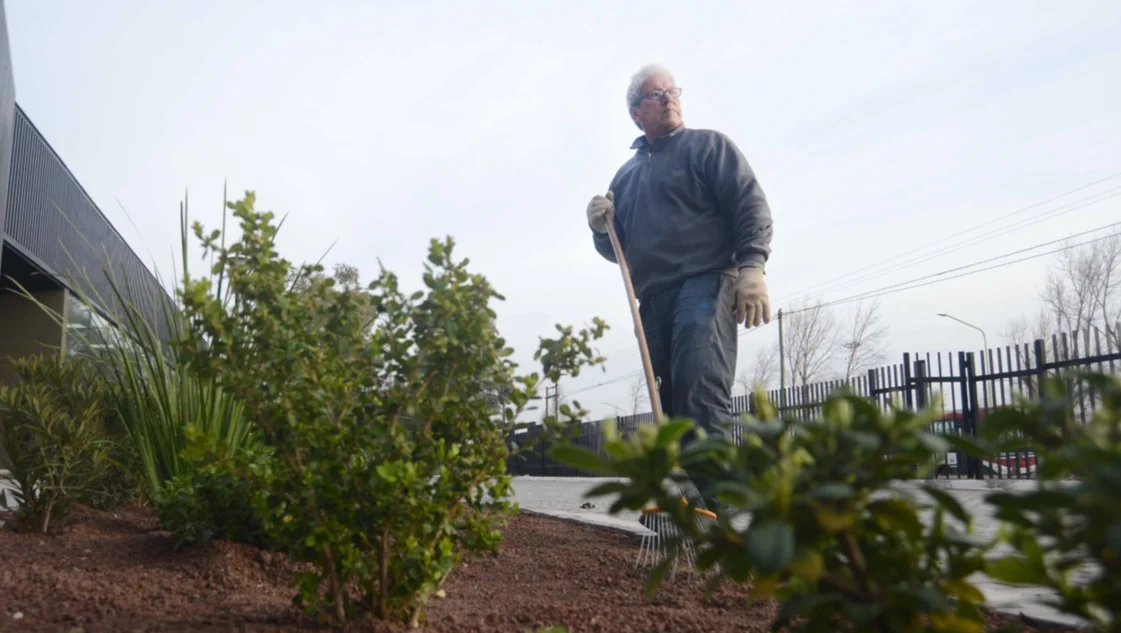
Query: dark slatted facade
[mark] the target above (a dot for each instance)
(7, 112)
(53, 222)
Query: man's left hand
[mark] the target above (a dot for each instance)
(753, 306)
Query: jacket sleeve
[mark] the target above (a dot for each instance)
(739, 195)
(603, 243)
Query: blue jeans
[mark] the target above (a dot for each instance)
(692, 336)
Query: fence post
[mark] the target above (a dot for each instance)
(872, 387)
(1040, 367)
(908, 398)
(919, 382)
(969, 409)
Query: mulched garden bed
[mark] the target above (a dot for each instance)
(118, 572)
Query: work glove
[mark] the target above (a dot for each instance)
(600, 210)
(753, 306)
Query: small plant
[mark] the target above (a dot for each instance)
(214, 499)
(53, 425)
(1067, 527)
(390, 456)
(829, 534)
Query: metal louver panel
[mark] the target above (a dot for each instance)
(51, 218)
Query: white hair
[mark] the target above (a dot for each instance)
(634, 90)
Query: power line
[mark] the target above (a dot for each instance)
(983, 238)
(942, 241)
(633, 374)
(894, 289)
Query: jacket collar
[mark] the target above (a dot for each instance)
(642, 144)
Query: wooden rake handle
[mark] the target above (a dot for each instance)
(651, 383)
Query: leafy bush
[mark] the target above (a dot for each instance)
(828, 533)
(53, 425)
(1063, 526)
(390, 457)
(213, 500)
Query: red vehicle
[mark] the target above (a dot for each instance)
(1008, 466)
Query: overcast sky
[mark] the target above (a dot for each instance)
(875, 132)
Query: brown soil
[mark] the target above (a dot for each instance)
(118, 572)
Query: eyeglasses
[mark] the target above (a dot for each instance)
(658, 95)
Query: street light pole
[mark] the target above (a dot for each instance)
(984, 338)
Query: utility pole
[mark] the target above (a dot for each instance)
(781, 354)
(781, 366)
(555, 398)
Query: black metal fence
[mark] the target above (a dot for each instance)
(967, 385)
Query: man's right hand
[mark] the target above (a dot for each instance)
(599, 210)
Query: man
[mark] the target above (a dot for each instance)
(696, 230)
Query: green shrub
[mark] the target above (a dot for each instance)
(1063, 526)
(212, 500)
(390, 457)
(53, 425)
(829, 533)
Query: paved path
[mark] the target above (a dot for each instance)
(563, 496)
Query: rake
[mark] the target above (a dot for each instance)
(665, 538)
(663, 533)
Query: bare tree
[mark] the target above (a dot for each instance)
(1083, 290)
(864, 341)
(811, 341)
(1021, 333)
(764, 370)
(638, 398)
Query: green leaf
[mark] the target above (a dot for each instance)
(580, 458)
(928, 599)
(833, 491)
(965, 591)
(864, 440)
(967, 446)
(897, 514)
(799, 604)
(735, 493)
(1113, 538)
(671, 432)
(833, 521)
(933, 442)
(608, 488)
(770, 546)
(386, 472)
(949, 502)
(1002, 423)
(1015, 571)
(657, 575)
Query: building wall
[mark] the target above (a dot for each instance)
(53, 222)
(7, 112)
(26, 329)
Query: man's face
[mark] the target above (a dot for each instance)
(657, 116)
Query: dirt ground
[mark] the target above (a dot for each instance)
(118, 572)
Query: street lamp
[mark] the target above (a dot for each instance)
(984, 338)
